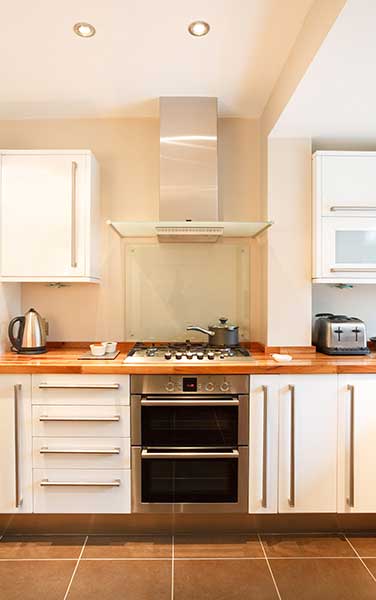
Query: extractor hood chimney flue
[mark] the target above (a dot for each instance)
(188, 159)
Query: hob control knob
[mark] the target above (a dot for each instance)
(170, 387)
(178, 355)
(200, 355)
(211, 355)
(225, 386)
(189, 355)
(167, 355)
(209, 386)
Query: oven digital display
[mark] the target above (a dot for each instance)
(189, 384)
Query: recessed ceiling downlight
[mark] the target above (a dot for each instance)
(84, 29)
(199, 28)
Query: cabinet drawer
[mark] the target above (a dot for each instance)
(80, 389)
(81, 453)
(81, 491)
(81, 421)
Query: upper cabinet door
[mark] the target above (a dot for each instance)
(346, 183)
(308, 443)
(46, 216)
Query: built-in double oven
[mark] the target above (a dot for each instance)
(189, 443)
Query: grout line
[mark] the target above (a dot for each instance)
(172, 567)
(187, 558)
(75, 568)
(360, 558)
(269, 567)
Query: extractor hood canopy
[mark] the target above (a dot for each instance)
(188, 200)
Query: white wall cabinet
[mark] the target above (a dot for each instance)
(15, 444)
(49, 216)
(263, 444)
(293, 423)
(344, 217)
(357, 444)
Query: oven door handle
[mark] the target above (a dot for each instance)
(175, 401)
(182, 455)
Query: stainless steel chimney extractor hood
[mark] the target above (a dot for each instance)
(188, 199)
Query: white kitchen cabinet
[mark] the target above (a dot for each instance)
(344, 217)
(263, 444)
(49, 216)
(15, 444)
(308, 443)
(357, 444)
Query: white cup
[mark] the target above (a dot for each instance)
(98, 349)
(110, 347)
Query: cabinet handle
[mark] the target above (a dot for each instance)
(47, 450)
(354, 269)
(79, 386)
(17, 390)
(292, 446)
(74, 216)
(351, 500)
(264, 498)
(79, 419)
(352, 208)
(48, 483)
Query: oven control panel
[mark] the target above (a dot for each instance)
(189, 384)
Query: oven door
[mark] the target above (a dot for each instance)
(189, 481)
(189, 421)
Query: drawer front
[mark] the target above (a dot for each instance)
(81, 491)
(81, 453)
(81, 421)
(80, 389)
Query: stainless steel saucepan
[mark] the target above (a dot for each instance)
(221, 334)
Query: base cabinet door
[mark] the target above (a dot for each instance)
(15, 444)
(308, 443)
(263, 444)
(357, 444)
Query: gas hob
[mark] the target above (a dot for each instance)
(187, 352)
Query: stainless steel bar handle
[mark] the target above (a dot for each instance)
(182, 455)
(48, 483)
(74, 216)
(189, 402)
(352, 208)
(292, 446)
(79, 386)
(354, 269)
(351, 498)
(47, 450)
(79, 419)
(264, 499)
(18, 499)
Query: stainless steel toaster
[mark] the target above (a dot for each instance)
(339, 335)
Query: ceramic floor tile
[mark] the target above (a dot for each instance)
(43, 546)
(218, 546)
(223, 580)
(128, 546)
(35, 580)
(295, 546)
(364, 544)
(321, 579)
(371, 564)
(122, 580)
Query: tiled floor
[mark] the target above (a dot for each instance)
(189, 567)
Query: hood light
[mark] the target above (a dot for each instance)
(84, 30)
(199, 28)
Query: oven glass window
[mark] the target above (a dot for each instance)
(190, 480)
(166, 426)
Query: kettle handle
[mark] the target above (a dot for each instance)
(16, 342)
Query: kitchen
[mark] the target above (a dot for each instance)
(149, 466)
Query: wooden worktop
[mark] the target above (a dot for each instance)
(65, 360)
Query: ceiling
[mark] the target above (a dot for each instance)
(336, 98)
(141, 51)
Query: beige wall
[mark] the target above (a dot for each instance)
(316, 26)
(128, 153)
